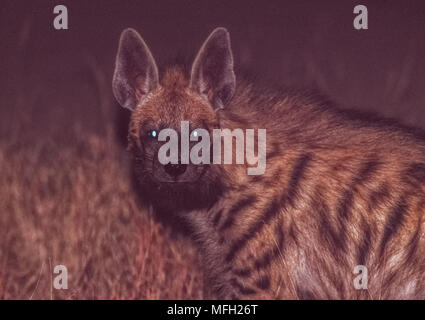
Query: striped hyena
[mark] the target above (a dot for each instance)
(340, 190)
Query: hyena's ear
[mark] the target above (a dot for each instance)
(212, 71)
(136, 73)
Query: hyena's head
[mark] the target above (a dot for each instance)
(163, 103)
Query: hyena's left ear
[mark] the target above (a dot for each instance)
(136, 73)
(212, 73)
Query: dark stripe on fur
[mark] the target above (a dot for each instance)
(239, 244)
(394, 222)
(364, 248)
(378, 196)
(274, 208)
(366, 171)
(346, 202)
(241, 288)
(235, 209)
(267, 258)
(263, 283)
(415, 174)
(243, 272)
(297, 174)
(335, 240)
(216, 218)
(275, 152)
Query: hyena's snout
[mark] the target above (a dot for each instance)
(175, 170)
(166, 170)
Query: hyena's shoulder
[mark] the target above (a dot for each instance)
(340, 190)
(305, 119)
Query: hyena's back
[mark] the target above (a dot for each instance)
(339, 191)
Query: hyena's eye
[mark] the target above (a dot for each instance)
(194, 134)
(152, 133)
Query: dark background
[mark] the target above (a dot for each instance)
(65, 75)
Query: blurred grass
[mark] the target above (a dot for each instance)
(66, 197)
(73, 205)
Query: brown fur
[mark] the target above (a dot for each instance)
(339, 191)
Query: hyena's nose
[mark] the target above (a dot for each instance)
(175, 170)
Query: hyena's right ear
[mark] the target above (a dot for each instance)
(136, 73)
(212, 73)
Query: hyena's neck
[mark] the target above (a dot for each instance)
(249, 206)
